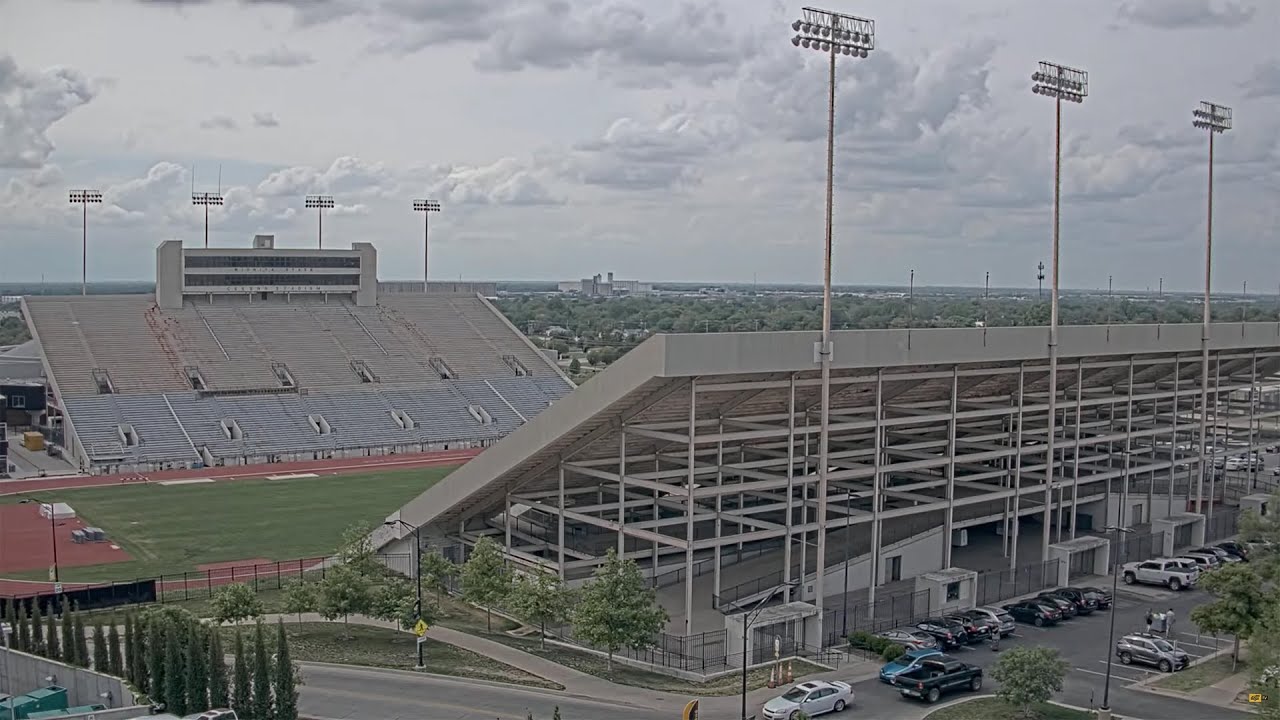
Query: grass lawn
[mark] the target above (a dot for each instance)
(382, 647)
(990, 708)
(171, 529)
(1200, 675)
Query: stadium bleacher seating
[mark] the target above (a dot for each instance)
(237, 381)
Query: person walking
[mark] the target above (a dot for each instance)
(1150, 618)
(1168, 623)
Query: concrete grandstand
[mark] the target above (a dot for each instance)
(695, 455)
(269, 355)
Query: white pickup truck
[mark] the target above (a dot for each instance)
(1173, 574)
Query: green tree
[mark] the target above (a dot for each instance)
(356, 551)
(235, 603)
(80, 642)
(1029, 676)
(260, 709)
(219, 695)
(286, 678)
(343, 593)
(136, 652)
(540, 599)
(37, 630)
(155, 640)
(300, 597)
(396, 601)
(485, 580)
(196, 659)
(1240, 600)
(575, 367)
(24, 630)
(174, 690)
(618, 609)
(52, 648)
(68, 633)
(101, 656)
(437, 571)
(115, 660)
(1264, 663)
(241, 687)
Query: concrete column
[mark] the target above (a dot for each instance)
(791, 487)
(1050, 470)
(1017, 471)
(689, 507)
(1253, 385)
(560, 523)
(657, 467)
(1173, 432)
(878, 446)
(1075, 457)
(1213, 474)
(622, 493)
(1128, 450)
(719, 499)
(506, 526)
(804, 508)
(949, 519)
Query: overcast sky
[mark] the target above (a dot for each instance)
(659, 139)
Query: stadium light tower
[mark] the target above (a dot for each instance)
(206, 199)
(1060, 83)
(835, 34)
(320, 203)
(1215, 119)
(426, 207)
(84, 198)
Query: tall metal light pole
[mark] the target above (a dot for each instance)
(417, 574)
(1215, 119)
(835, 34)
(911, 298)
(84, 198)
(206, 199)
(426, 207)
(1058, 82)
(320, 203)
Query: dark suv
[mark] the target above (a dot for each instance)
(1067, 607)
(949, 633)
(1101, 597)
(1085, 602)
(975, 629)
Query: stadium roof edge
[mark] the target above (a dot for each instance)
(663, 364)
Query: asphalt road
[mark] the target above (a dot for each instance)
(333, 693)
(1082, 641)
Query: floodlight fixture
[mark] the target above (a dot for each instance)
(320, 203)
(206, 199)
(1216, 119)
(835, 34)
(1058, 82)
(84, 198)
(426, 207)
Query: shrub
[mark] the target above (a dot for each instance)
(891, 651)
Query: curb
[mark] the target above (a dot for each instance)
(959, 701)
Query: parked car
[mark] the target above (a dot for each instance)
(1205, 562)
(1067, 607)
(1102, 598)
(1035, 612)
(1169, 572)
(1085, 603)
(816, 697)
(939, 675)
(1152, 650)
(906, 661)
(1223, 556)
(995, 618)
(948, 633)
(974, 630)
(1240, 550)
(910, 639)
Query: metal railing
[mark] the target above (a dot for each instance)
(886, 613)
(996, 586)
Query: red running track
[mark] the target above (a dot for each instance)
(336, 466)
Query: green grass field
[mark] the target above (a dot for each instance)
(174, 528)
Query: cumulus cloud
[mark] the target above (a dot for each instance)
(219, 122)
(505, 182)
(30, 104)
(1264, 81)
(1177, 14)
(281, 57)
(265, 120)
(347, 176)
(655, 154)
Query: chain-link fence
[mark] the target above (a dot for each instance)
(996, 586)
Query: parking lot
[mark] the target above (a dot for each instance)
(1083, 642)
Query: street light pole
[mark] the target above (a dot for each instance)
(1060, 83)
(1104, 712)
(1215, 119)
(417, 574)
(835, 34)
(53, 530)
(426, 207)
(320, 203)
(84, 198)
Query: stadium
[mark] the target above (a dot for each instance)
(262, 355)
(695, 456)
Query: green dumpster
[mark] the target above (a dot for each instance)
(80, 710)
(47, 698)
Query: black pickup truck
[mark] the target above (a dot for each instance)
(938, 676)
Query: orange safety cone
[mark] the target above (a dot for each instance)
(773, 681)
(789, 676)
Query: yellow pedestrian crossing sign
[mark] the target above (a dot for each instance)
(420, 628)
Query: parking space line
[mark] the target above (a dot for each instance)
(1114, 675)
(1131, 667)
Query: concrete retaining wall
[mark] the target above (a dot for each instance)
(21, 673)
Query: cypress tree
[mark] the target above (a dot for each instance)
(135, 652)
(68, 633)
(81, 643)
(286, 679)
(197, 670)
(101, 661)
(241, 698)
(155, 657)
(11, 619)
(51, 650)
(24, 629)
(115, 661)
(37, 629)
(175, 691)
(218, 695)
(261, 707)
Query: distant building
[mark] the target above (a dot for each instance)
(607, 286)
